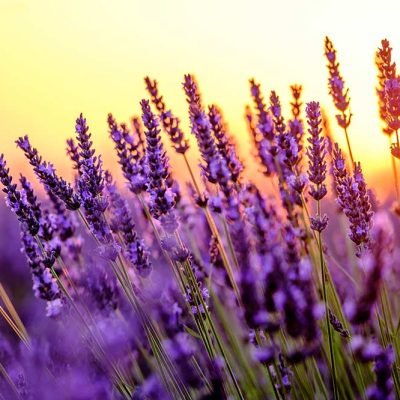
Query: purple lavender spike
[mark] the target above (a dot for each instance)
(47, 175)
(224, 145)
(91, 182)
(316, 152)
(170, 123)
(201, 127)
(122, 222)
(353, 198)
(130, 156)
(162, 197)
(15, 200)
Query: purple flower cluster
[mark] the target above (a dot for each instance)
(162, 201)
(169, 122)
(353, 198)
(211, 290)
(337, 90)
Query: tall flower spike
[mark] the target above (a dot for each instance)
(137, 127)
(130, 156)
(352, 198)
(392, 103)
(201, 127)
(316, 152)
(44, 285)
(339, 94)
(169, 122)
(386, 70)
(47, 175)
(265, 140)
(15, 200)
(225, 146)
(46, 229)
(276, 111)
(91, 183)
(162, 198)
(122, 222)
(337, 90)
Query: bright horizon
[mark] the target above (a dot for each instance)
(62, 58)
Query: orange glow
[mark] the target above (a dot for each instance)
(60, 58)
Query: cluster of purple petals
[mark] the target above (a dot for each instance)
(144, 313)
(337, 90)
(91, 182)
(170, 123)
(353, 198)
(386, 71)
(130, 154)
(201, 128)
(122, 222)
(162, 198)
(47, 175)
(17, 203)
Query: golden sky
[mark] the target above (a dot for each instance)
(60, 58)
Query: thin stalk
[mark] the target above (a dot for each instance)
(348, 142)
(214, 230)
(335, 394)
(328, 325)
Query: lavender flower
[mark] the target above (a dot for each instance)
(48, 176)
(316, 152)
(122, 222)
(337, 90)
(352, 198)
(224, 145)
(296, 124)
(130, 156)
(91, 183)
(24, 212)
(44, 285)
(201, 128)
(392, 102)
(162, 197)
(169, 122)
(263, 131)
(386, 71)
(337, 325)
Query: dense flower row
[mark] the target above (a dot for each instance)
(219, 289)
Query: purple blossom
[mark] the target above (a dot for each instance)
(91, 183)
(201, 127)
(16, 201)
(130, 155)
(392, 103)
(122, 222)
(386, 71)
(316, 152)
(224, 144)
(352, 198)
(162, 198)
(337, 90)
(170, 123)
(48, 176)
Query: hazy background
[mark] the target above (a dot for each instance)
(60, 58)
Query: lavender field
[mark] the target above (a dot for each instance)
(138, 284)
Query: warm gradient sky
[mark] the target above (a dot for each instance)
(59, 58)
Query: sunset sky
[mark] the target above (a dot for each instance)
(60, 58)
